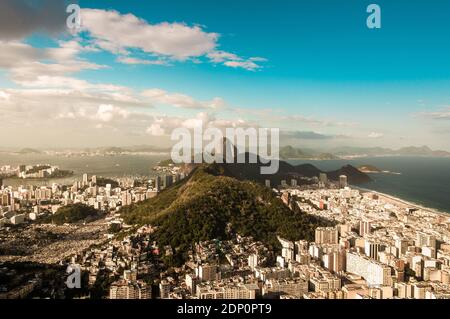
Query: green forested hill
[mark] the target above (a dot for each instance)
(73, 214)
(201, 207)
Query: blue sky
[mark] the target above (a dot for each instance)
(303, 66)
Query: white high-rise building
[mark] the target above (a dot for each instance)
(375, 273)
(371, 249)
(343, 181)
(85, 179)
(253, 261)
(323, 179)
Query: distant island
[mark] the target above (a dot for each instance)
(370, 169)
(39, 171)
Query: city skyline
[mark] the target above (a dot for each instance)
(136, 71)
(241, 151)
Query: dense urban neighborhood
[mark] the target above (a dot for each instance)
(372, 246)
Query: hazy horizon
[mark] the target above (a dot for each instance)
(135, 147)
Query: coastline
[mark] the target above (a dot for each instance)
(403, 202)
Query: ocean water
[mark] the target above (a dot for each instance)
(105, 166)
(422, 180)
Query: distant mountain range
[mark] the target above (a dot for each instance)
(379, 151)
(286, 152)
(292, 153)
(286, 171)
(113, 150)
(129, 149)
(29, 151)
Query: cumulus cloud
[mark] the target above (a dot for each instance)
(21, 18)
(375, 135)
(155, 130)
(121, 33)
(164, 125)
(37, 67)
(159, 96)
(50, 106)
(4, 96)
(107, 112)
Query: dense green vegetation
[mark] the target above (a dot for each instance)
(369, 168)
(209, 205)
(166, 162)
(73, 214)
(37, 168)
(61, 173)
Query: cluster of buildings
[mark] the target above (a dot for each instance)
(378, 248)
(31, 171)
(23, 204)
(381, 247)
(117, 264)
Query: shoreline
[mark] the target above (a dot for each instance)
(403, 202)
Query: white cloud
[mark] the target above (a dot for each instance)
(222, 56)
(129, 60)
(234, 61)
(36, 67)
(247, 65)
(108, 112)
(4, 95)
(155, 130)
(68, 50)
(14, 53)
(164, 125)
(159, 96)
(119, 32)
(375, 135)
